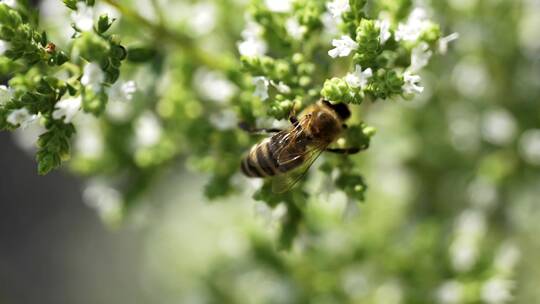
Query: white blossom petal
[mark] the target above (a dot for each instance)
(20, 117)
(338, 7)
(411, 85)
(279, 6)
(6, 94)
(420, 56)
(4, 46)
(529, 146)
(261, 87)
(415, 26)
(343, 47)
(10, 3)
(359, 78)
(93, 76)
(497, 291)
(122, 91)
(295, 29)
(444, 41)
(499, 127)
(83, 17)
(214, 86)
(384, 30)
(67, 108)
(148, 130)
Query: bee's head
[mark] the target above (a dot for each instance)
(341, 109)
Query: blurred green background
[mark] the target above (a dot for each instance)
(451, 214)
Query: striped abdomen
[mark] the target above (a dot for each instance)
(262, 160)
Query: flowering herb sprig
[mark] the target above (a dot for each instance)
(37, 92)
(288, 55)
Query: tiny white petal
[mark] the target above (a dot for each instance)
(224, 120)
(202, 18)
(83, 17)
(10, 3)
(148, 130)
(252, 47)
(295, 29)
(20, 117)
(414, 27)
(214, 86)
(67, 108)
(338, 7)
(343, 47)
(497, 291)
(93, 76)
(281, 87)
(122, 91)
(450, 292)
(499, 127)
(529, 146)
(411, 85)
(4, 46)
(444, 41)
(384, 30)
(420, 56)
(279, 6)
(359, 78)
(6, 94)
(261, 87)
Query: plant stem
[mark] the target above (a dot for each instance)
(183, 41)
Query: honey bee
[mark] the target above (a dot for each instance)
(287, 155)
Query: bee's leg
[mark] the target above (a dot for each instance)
(294, 120)
(250, 129)
(345, 151)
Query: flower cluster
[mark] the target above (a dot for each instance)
(290, 54)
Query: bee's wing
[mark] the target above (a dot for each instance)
(284, 182)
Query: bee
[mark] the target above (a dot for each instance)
(287, 154)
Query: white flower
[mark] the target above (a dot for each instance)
(83, 17)
(224, 120)
(253, 44)
(470, 229)
(384, 30)
(20, 117)
(411, 85)
(444, 41)
(281, 87)
(529, 146)
(359, 78)
(67, 108)
(499, 127)
(450, 292)
(122, 91)
(497, 291)
(10, 3)
(507, 257)
(93, 76)
(338, 7)
(330, 24)
(295, 29)
(4, 46)
(252, 47)
(420, 56)
(415, 26)
(148, 130)
(202, 19)
(343, 47)
(214, 86)
(279, 6)
(261, 87)
(6, 94)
